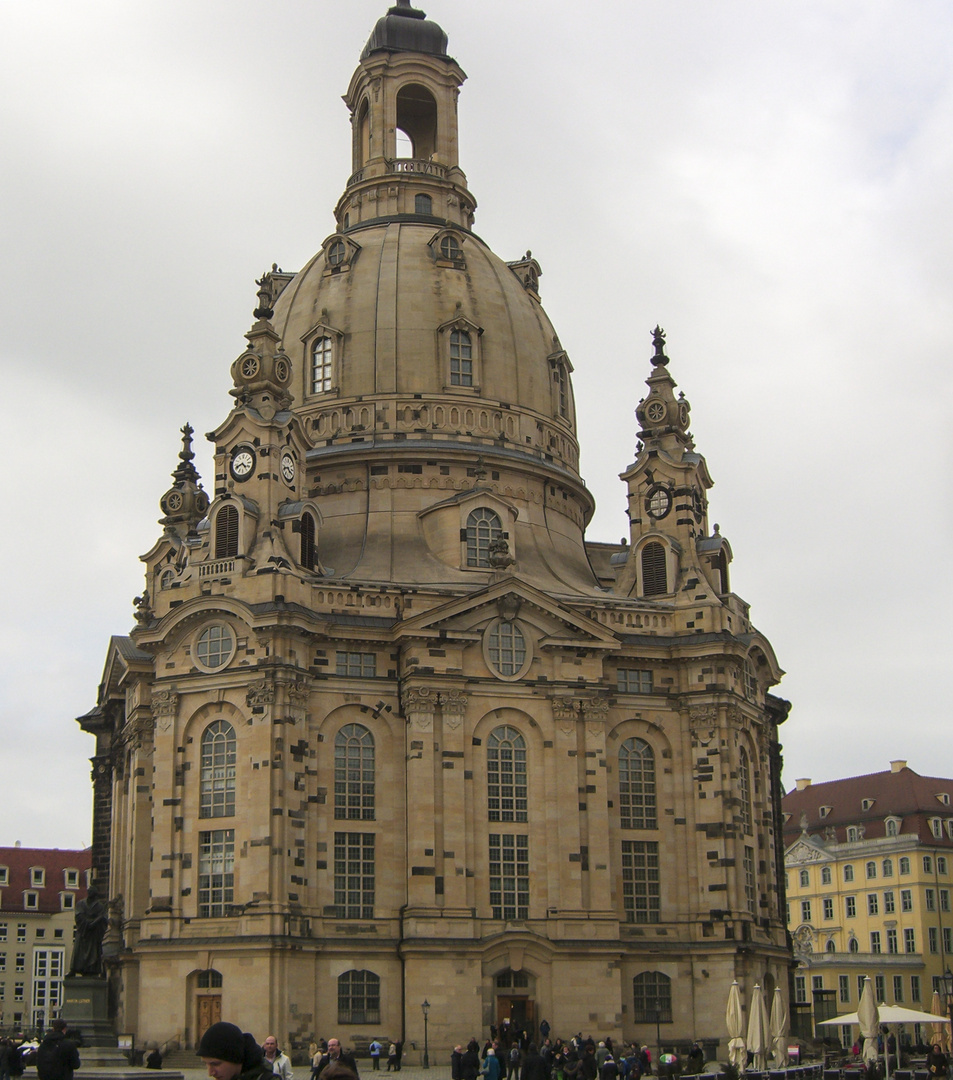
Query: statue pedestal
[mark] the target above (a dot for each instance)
(86, 1009)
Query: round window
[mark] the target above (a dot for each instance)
(214, 647)
(506, 649)
(450, 248)
(337, 253)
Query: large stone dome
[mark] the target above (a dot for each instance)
(399, 302)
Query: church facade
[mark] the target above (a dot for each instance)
(388, 730)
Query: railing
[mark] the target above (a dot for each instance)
(220, 566)
(419, 166)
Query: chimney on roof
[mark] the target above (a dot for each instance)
(803, 783)
(896, 766)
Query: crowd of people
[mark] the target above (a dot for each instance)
(513, 1055)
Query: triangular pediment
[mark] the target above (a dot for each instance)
(121, 657)
(463, 617)
(806, 850)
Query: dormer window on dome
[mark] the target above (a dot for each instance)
(446, 246)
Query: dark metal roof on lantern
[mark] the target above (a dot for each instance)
(406, 29)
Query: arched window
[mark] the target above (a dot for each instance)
(888, 868)
(892, 829)
(423, 204)
(307, 541)
(506, 648)
(209, 979)
(825, 875)
(226, 533)
(354, 774)
(637, 799)
(805, 878)
(483, 526)
(321, 356)
(654, 573)
(831, 947)
(720, 566)
(217, 783)
(871, 869)
(904, 865)
(853, 945)
(359, 998)
(417, 122)
(744, 790)
(461, 358)
(751, 681)
(506, 775)
(848, 872)
(652, 998)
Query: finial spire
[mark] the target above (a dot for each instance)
(658, 340)
(266, 295)
(185, 470)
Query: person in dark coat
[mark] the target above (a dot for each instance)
(456, 1063)
(534, 1068)
(937, 1063)
(57, 1055)
(470, 1064)
(154, 1060)
(230, 1054)
(337, 1056)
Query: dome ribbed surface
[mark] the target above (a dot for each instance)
(405, 29)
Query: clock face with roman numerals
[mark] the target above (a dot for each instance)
(243, 462)
(288, 467)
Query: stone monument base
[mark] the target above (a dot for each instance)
(86, 1010)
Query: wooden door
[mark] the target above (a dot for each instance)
(209, 1011)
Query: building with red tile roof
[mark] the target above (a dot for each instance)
(39, 890)
(868, 862)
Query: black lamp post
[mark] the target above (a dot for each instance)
(658, 1037)
(426, 1009)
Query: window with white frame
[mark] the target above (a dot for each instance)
(506, 772)
(354, 780)
(909, 940)
(322, 355)
(461, 358)
(483, 527)
(217, 773)
(354, 875)
(915, 992)
(216, 872)
(826, 876)
(509, 876)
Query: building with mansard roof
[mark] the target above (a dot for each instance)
(869, 867)
(388, 728)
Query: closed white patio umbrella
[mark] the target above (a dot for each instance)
(779, 1029)
(759, 1029)
(735, 1023)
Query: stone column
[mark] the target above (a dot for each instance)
(419, 706)
(453, 792)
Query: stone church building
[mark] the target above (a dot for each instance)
(389, 730)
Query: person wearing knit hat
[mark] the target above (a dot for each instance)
(229, 1053)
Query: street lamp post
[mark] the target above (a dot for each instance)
(658, 1037)
(426, 1009)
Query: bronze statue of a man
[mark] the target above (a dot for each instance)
(92, 918)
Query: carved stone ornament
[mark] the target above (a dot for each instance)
(803, 941)
(417, 698)
(453, 704)
(260, 692)
(734, 716)
(595, 709)
(165, 704)
(498, 554)
(565, 708)
(298, 694)
(805, 853)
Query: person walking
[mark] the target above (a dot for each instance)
(337, 1056)
(375, 1051)
(491, 1065)
(280, 1063)
(57, 1056)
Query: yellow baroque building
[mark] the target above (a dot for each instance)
(868, 867)
(388, 729)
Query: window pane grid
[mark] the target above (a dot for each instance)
(354, 875)
(483, 526)
(461, 358)
(637, 794)
(217, 783)
(359, 998)
(321, 365)
(354, 774)
(509, 876)
(652, 998)
(506, 775)
(640, 881)
(216, 872)
(633, 681)
(507, 648)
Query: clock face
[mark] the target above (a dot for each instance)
(243, 461)
(288, 467)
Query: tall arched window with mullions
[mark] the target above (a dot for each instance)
(483, 526)
(217, 783)
(638, 807)
(354, 774)
(506, 775)
(744, 790)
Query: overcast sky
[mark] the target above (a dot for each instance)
(772, 183)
